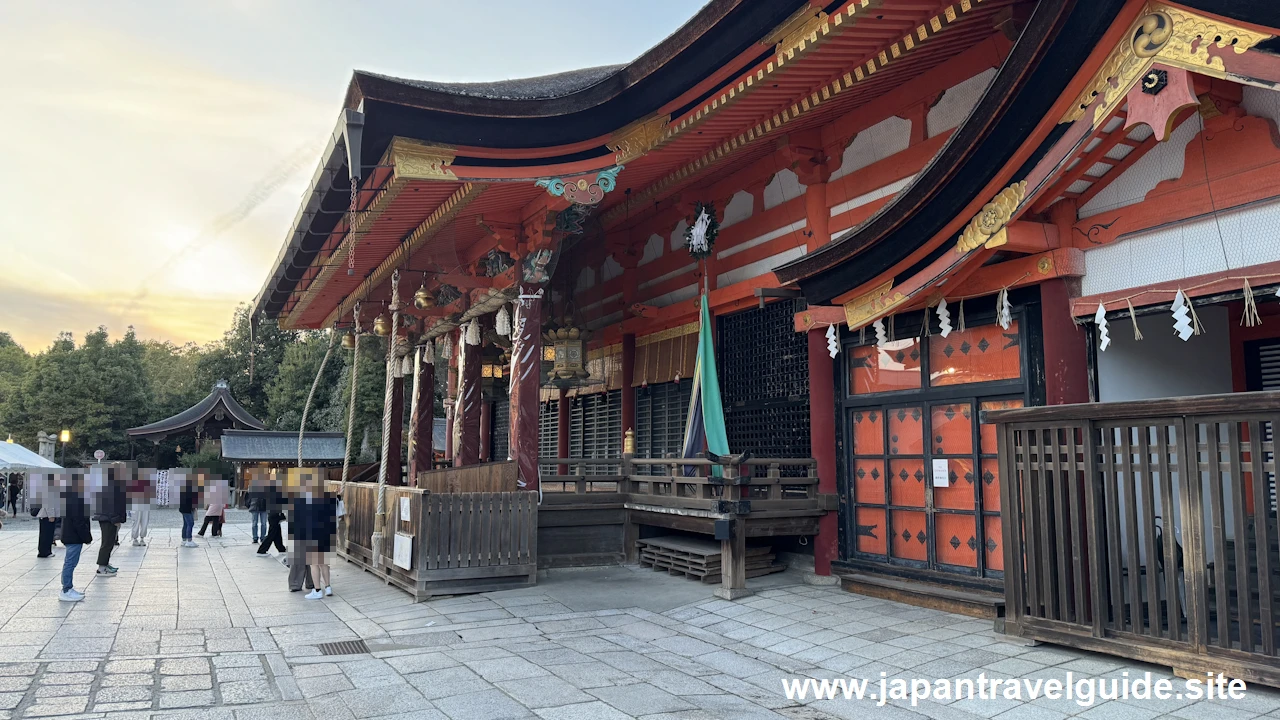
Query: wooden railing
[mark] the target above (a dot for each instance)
(459, 542)
(1146, 529)
(484, 477)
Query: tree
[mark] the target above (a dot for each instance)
(14, 365)
(248, 357)
(288, 390)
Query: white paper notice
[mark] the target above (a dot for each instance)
(402, 554)
(404, 509)
(941, 474)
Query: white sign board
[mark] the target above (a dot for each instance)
(98, 455)
(404, 509)
(941, 474)
(402, 555)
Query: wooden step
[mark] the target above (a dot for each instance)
(964, 601)
(700, 559)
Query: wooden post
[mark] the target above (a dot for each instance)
(630, 530)
(628, 392)
(469, 394)
(486, 418)
(822, 444)
(450, 401)
(526, 379)
(562, 428)
(733, 551)
(421, 413)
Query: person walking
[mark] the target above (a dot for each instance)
(140, 494)
(213, 513)
(76, 533)
(187, 497)
(273, 505)
(110, 515)
(15, 487)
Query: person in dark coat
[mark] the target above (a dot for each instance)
(111, 506)
(76, 533)
(15, 487)
(319, 525)
(273, 504)
(299, 573)
(187, 499)
(256, 502)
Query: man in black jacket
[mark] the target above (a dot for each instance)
(76, 533)
(273, 503)
(110, 516)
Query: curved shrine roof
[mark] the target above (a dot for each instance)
(218, 405)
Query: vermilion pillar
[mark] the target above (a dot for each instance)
(1066, 379)
(470, 401)
(628, 392)
(486, 417)
(817, 215)
(450, 403)
(421, 413)
(822, 443)
(526, 377)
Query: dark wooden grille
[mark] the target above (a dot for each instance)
(661, 410)
(500, 430)
(764, 381)
(596, 428)
(1148, 524)
(548, 429)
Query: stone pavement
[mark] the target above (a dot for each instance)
(212, 632)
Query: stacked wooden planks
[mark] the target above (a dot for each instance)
(700, 559)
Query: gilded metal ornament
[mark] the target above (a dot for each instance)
(1166, 34)
(381, 325)
(988, 227)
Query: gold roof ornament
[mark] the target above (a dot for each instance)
(988, 227)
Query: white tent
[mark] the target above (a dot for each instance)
(14, 457)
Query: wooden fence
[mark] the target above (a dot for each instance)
(457, 542)
(1146, 530)
(485, 477)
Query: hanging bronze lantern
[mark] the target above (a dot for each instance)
(349, 340)
(570, 356)
(423, 299)
(381, 325)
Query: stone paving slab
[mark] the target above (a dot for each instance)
(212, 633)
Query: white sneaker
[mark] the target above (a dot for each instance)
(142, 543)
(189, 543)
(314, 594)
(328, 590)
(263, 555)
(71, 596)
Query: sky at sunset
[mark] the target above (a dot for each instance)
(156, 152)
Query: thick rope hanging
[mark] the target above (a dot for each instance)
(351, 402)
(302, 426)
(385, 454)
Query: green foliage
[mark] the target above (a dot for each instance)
(102, 387)
(209, 457)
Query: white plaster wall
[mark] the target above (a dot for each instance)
(652, 250)
(677, 235)
(1229, 240)
(957, 102)
(610, 269)
(1261, 102)
(887, 137)
(740, 207)
(1163, 162)
(1161, 365)
(784, 187)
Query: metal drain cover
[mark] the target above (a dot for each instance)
(346, 647)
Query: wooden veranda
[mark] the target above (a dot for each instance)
(471, 529)
(1147, 530)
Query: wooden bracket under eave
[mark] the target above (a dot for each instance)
(818, 316)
